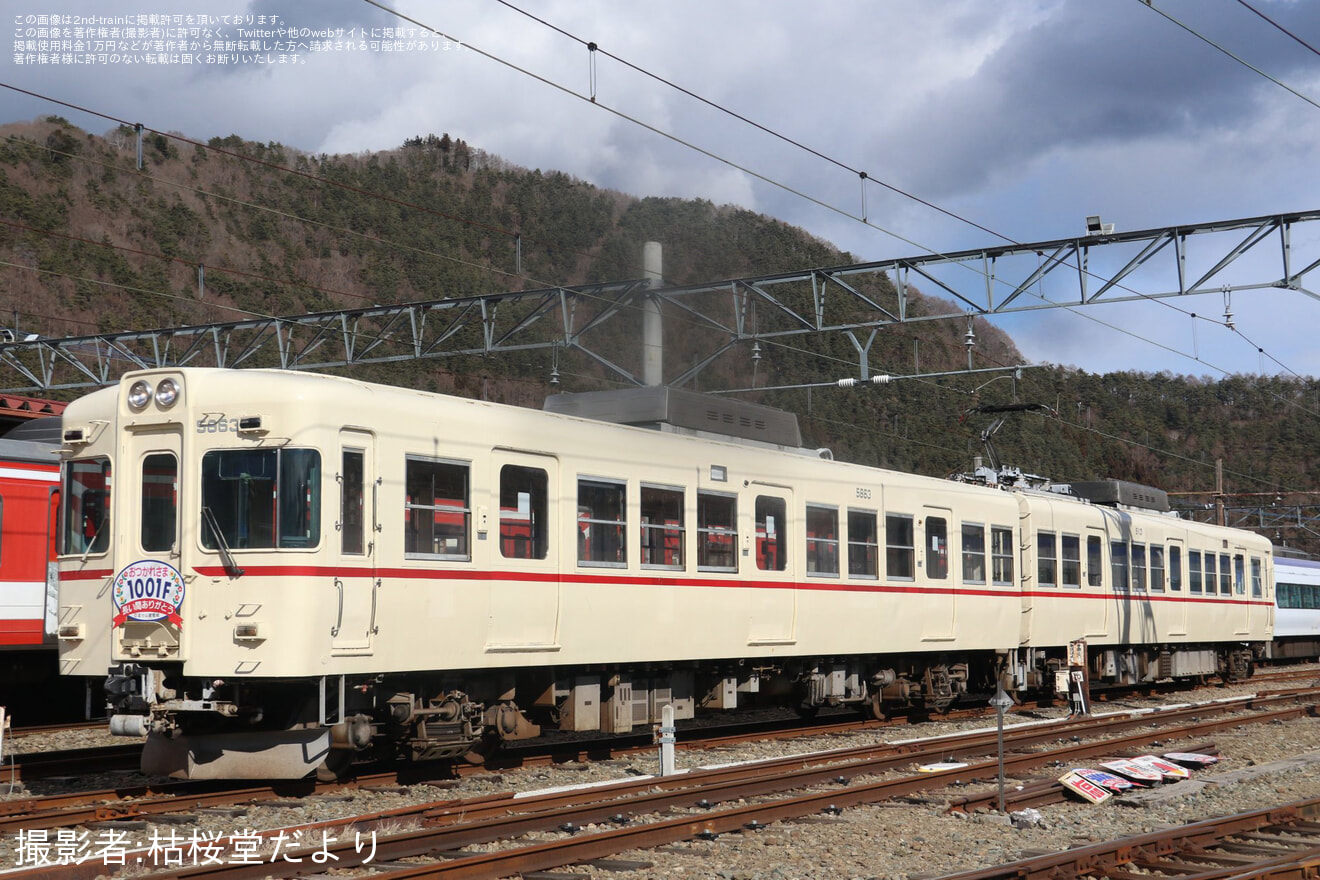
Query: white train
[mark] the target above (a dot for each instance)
(1297, 620)
(278, 570)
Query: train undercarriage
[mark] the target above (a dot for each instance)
(288, 729)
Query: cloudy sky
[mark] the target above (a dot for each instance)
(1021, 116)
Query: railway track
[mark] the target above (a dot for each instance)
(1280, 842)
(831, 781)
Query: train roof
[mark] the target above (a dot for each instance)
(663, 408)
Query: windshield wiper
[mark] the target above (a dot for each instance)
(231, 566)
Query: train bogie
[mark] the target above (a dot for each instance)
(269, 554)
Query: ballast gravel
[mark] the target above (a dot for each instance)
(915, 839)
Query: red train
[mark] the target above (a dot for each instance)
(30, 686)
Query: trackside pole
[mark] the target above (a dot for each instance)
(666, 741)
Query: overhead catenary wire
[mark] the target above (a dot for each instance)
(1150, 4)
(861, 174)
(860, 218)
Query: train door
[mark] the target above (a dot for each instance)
(771, 611)
(1241, 591)
(147, 595)
(524, 591)
(49, 564)
(355, 584)
(940, 605)
(1176, 552)
(1097, 585)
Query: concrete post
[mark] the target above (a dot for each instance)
(667, 741)
(652, 329)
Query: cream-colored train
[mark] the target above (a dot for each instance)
(278, 570)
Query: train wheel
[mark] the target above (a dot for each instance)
(335, 767)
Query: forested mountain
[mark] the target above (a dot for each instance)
(90, 243)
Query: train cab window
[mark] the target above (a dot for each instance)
(1118, 565)
(1138, 560)
(1095, 561)
(352, 529)
(1070, 561)
(899, 547)
(524, 512)
(1240, 574)
(973, 553)
(1175, 569)
(1225, 575)
(822, 540)
(1194, 571)
(261, 499)
(717, 532)
(771, 533)
(86, 506)
(863, 544)
(602, 526)
(1001, 556)
(437, 509)
(1256, 580)
(1047, 560)
(1157, 567)
(159, 501)
(937, 547)
(663, 536)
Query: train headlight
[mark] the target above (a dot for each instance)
(139, 394)
(248, 632)
(166, 393)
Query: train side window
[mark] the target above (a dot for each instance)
(1095, 561)
(1240, 574)
(717, 532)
(663, 535)
(771, 533)
(1047, 560)
(1138, 559)
(822, 540)
(973, 553)
(1211, 578)
(261, 498)
(159, 501)
(1194, 571)
(1256, 580)
(899, 547)
(1225, 575)
(86, 500)
(1070, 561)
(602, 522)
(524, 512)
(1001, 555)
(1157, 567)
(1118, 565)
(352, 529)
(863, 544)
(1175, 569)
(937, 547)
(437, 509)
